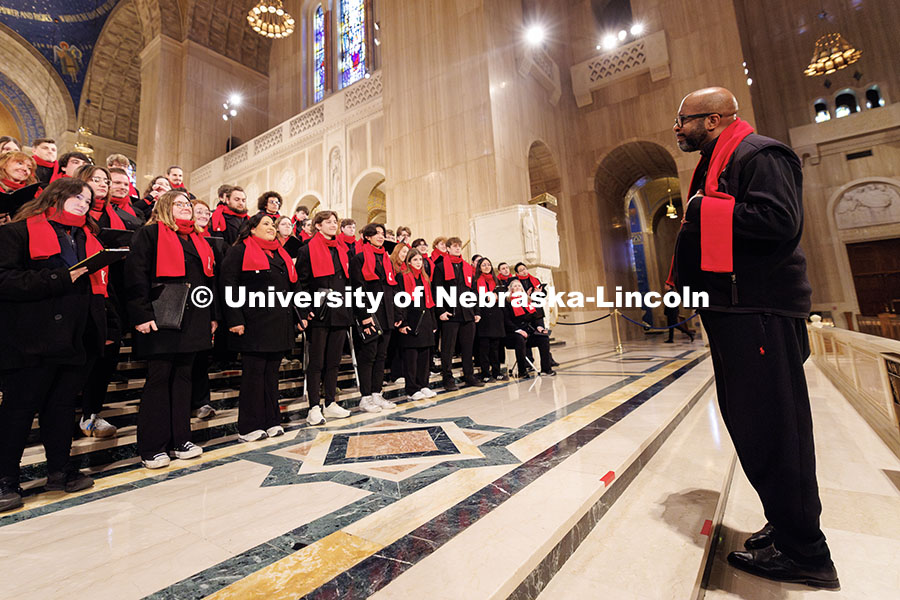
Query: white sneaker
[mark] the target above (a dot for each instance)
(315, 416)
(380, 401)
(428, 392)
(253, 436)
(157, 462)
(87, 426)
(419, 396)
(102, 427)
(275, 431)
(206, 412)
(369, 404)
(335, 411)
(187, 450)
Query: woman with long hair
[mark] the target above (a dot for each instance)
(490, 328)
(200, 391)
(158, 185)
(98, 178)
(169, 259)
(53, 324)
(16, 171)
(524, 326)
(417, 327)
(9, 144)
(258, 263)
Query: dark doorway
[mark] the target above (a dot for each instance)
(876, 275)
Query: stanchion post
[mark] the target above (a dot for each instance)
(619, 349)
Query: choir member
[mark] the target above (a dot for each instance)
(44, 153)
(9, 144)
(97, 178)
(529, 282)
(404, 235)
(322, 264)
(228, 218)
(525, 328)
(456, 323)
(175, 175)
(166, 254)
(202, 216)
(120, 161)
(504, 274)
(490, 328)
(284, 233)
(270, 203)
(398, 259)
(416, 328)
(259, 263)
(394, 360)
(372, 271)
(200, 394)
(306, 230)
(16, 171)
(158, 185)
(52, 322)
(348, 237)
(119, 213)
(69, 163)
(439, 248)
(389, 235)
(301, 214)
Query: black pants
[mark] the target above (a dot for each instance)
(672, 319)
(519, 344)
(94, 393)
(200, 380)
(417, 363)
(370, 360)
(164, 418)
(489, 356)
(258, 403)
(50, 392)
(465, 332)
(326, 345)
(758, 363)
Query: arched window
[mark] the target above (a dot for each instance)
(873, 97)
(845, 104)
(353, 41)
(318, 54)
(821, 108)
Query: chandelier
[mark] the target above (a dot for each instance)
(268, 19)
(832, 53)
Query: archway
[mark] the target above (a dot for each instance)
(367, 201)
(543, 171)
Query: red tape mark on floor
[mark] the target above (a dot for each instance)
(707, 528)
(608, 478)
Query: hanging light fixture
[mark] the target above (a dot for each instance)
(82, 144)
(670, 210)
(269, 19)
(832, 52)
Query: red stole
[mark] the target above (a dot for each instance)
(521, 310)
(320, 256)
(218, 217)
(486, 281)
(347, 240)
(170, 254)
(450, 274)
(503, 278)
(255, 258)
(115, 221)
(43, 243)
(59, 175)
(534, 280)
(368, 270)
(409, 285)
(304, 237)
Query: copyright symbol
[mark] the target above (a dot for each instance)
(201, 296)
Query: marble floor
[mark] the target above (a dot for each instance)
(506, 491)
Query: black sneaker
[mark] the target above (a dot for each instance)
(71, 480)
(473, 382)
(502, 378)
(449, 384)
(550, 373)
(10, 494)
(525, 375)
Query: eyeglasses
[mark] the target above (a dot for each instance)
(102, 180)
(274, 201)
(181, 205)
(680, 120)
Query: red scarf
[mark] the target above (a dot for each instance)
(534, 280)
(304, 236)
(450, 274)
(205, 232)
(50, 165)
(12, 185)
(409, 285)
(218, 216)
(486, 281)
(320, 256)
(59, 175)
(170, 254)
(521, 310)
(43, 243)
(115, 221)
(255, 259)
(436, 253)
(503, 278)
(369, 252)
(347, 240)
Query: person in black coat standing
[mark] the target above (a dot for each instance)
(258, 263)
(323, 266)
(416, 328)
(524, 326)
(169, 258)
(671, 313)
(228, 218)
(491, 330)
(53, 324)
(371, 270)
(457, 276)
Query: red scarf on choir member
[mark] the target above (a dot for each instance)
(218, 216)
(348, 240)
(304, 237)
(132, 192)
(534, 280)
(115, 221)
(97, 207)
(436, 253)
(369, 252)
(170, 254)
(50, 165)
(521, 310)
(320, 256)
(409, 285)
(450, 274)
(486, 281)
(255, 259)
(43, 243)
(205, 231)
(13, 185)
(503, 278)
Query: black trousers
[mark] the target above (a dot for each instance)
(50, 391)
(671, 319)
(417, 363)
(326, 344)
(258, 402)
(370, 359)
(164, 418)
(200, 380)
(450, 332)
(519, 344)
(758, 363)
(94, 393)
(489, 356)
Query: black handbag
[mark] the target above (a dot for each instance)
(169, 301)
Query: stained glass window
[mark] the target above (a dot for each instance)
(353, 41)
(319, 54)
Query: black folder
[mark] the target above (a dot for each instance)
(169, 301)
(292, 246)
(115, 238)
(10, 203)
(368, 337)
(101, 259)
(414, 319)
(218, 244)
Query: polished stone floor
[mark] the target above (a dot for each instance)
(497, 492)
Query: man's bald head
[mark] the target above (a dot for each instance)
(703, 115)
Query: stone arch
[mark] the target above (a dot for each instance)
(222, 27)
(161, 16)
(543, 171)
(310, 199)
(28, 70)
(363, 187)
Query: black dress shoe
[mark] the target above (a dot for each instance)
(10, 494)
(502, 378)
(760, 539)
(449, 384)
(553, 363)
(548, 373)
(474, 382)
(771, 564)
(69, 481)
(525, 375)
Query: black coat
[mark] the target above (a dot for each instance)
(385, 312)
(460, 313)
(195, 334)
(491, 324)
(265, 329)
(45, 318)
(145, 206)
(425, 337)
(132, 223)
(528, 322)
(232, 229)
(335, 317)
